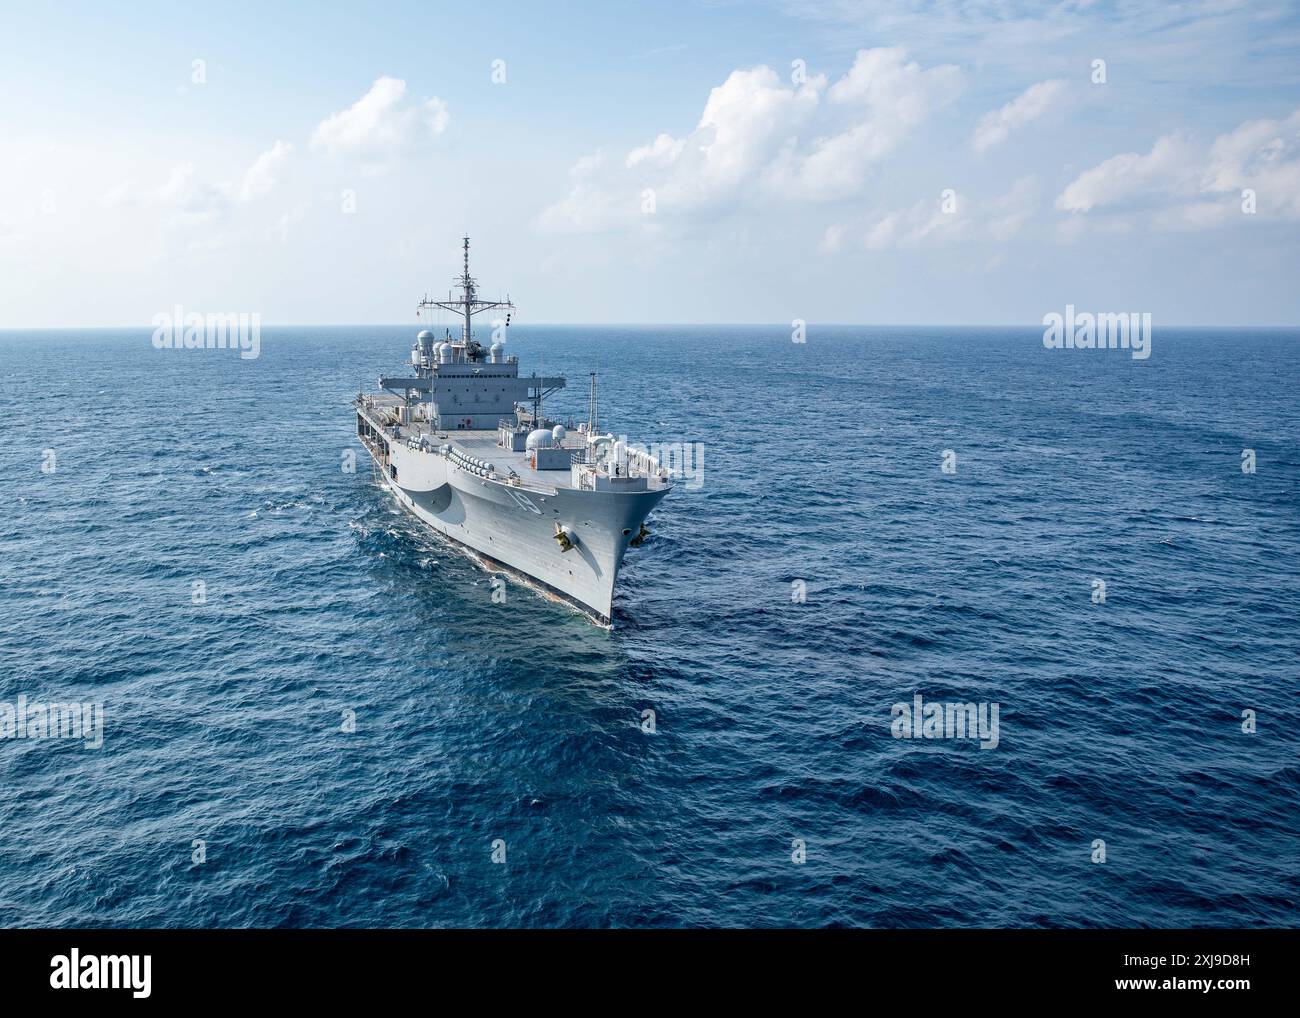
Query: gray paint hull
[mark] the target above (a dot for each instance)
(516, 526)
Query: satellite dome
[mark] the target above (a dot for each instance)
(539, 439)
(424, 335)
(558, 433)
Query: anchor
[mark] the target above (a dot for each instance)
(564, 537)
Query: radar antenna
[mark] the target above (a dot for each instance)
(468, 304)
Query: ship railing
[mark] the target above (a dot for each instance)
(639, 464)
(519, 482)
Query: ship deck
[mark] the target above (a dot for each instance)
(481, 444)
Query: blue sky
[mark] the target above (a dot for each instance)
(834, 161)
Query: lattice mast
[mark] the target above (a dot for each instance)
(468, 305)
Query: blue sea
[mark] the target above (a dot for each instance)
(183, 544)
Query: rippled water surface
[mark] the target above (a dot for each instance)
(520, 721)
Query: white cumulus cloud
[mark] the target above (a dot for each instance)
(880, 101)
(944, 219)
(380, 123)
(997, 125)
(1169, 167)
(1181, 183)
(751, 143)
(192, 200)
(664, 150)
(260, 178)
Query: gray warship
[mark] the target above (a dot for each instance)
(464, 444)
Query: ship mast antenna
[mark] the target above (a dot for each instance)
(591, 406)
(469, 304)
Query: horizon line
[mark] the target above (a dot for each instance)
(655, 325)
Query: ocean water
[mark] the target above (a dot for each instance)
(478, 722)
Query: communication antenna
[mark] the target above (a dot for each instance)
(591, 406)
(468, 304)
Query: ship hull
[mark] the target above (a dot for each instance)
(515, 528)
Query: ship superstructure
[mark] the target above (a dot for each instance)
(463, 442)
